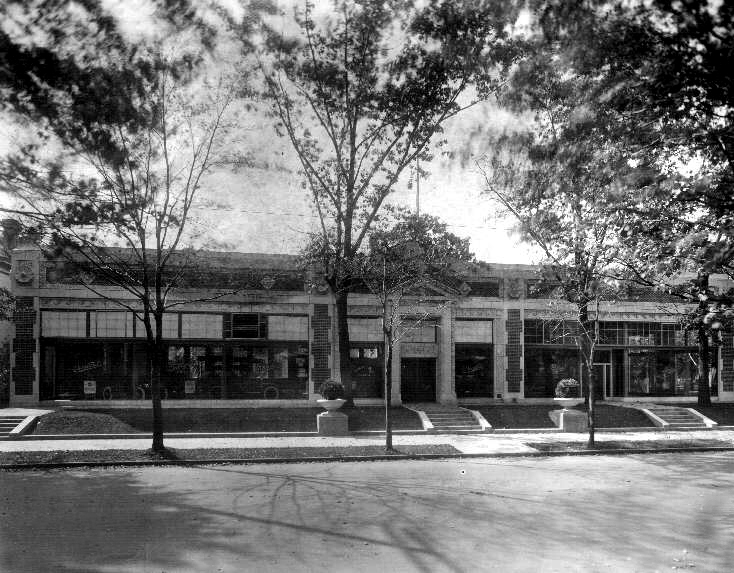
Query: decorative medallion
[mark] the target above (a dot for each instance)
(514, 288)
(24, 272)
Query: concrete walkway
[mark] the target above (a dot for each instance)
(476, 444)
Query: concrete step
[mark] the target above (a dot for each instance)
(677, 418)
(452, 420)
(8, 424)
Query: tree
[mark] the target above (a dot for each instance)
(401, 261)
(361, 94)
(116, 197)
(659, 85)
(558, 179)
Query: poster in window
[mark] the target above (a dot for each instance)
(280, 368)
(260, 362)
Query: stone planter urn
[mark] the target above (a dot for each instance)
(331, 405)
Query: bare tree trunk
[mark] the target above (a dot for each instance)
(587, 353)
(156, 350)
(387, 372)
(342, 326)
(704, 390)
(704, 356)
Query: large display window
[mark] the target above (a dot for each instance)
(473, 370)
(367, 365)
(546, 367)
(270, 372)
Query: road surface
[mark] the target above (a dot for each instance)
(603, 513)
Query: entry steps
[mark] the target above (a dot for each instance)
(8, 424)
(677, 418)
(448, 420)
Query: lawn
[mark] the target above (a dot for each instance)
(216, 454)
(630, 445)
(536, 416)
(215, 420)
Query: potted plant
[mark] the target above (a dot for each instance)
(567, 392)
(331, 392)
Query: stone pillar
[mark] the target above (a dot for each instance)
(499, 342)
(446, 390)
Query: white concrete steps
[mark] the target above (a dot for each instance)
(450, 420)
(8, 424)
(675, 418)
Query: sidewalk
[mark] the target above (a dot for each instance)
(468, 444)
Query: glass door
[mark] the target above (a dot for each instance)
(603, 386)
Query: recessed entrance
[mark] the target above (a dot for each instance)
(418, 379)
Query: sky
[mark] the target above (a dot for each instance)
(265, 209)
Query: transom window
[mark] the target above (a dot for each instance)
(246, 325)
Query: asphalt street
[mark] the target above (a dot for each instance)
(644, 513)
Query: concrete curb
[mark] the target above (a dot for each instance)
(373, 433)
(385, 457)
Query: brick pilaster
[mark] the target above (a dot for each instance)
(24, 346)
(513, 350)
(321, 346)
(727, 362)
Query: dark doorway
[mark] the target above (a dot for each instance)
(418, 379)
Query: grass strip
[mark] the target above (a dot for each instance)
(201, 454)
(630, 445)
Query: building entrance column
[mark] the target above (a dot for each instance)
(446, 390)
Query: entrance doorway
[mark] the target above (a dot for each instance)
(418, 379)
(603, 386)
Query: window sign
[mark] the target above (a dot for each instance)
(90, 387)
(280, 363)
(260, 362)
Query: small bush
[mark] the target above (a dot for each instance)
(331, 390)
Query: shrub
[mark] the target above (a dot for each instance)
(331, 390)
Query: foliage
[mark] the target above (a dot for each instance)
(412, 265)
(331, 390)
(361, 93)
(566, 387)
(124, 134)
(657, 88)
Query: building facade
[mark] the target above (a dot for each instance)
(254, 329)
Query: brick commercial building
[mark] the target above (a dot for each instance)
(252, 329)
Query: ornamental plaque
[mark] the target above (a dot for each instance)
(24, 272)
(514, 288)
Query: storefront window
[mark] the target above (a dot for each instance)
(663, 373)
(367, 370)
(473, 370)
(77, 371)
(268, 372)
(545, 367)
